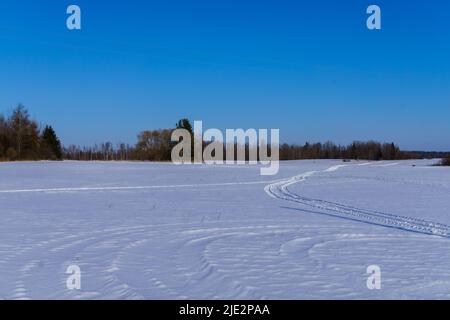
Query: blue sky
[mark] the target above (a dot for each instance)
(310, 68)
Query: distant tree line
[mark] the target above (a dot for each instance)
(103, 152)
(156, 145)
(358, 150)
(430, 154)
(152, 145)
(21, 138)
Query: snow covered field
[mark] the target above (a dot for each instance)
(158, 231)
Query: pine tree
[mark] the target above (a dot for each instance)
(51, 145)
(185, 124)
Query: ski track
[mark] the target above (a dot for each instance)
(280, 190)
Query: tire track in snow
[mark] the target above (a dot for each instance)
(280, 190)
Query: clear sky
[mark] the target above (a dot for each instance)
(310, 68)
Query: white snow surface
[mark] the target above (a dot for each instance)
(160, 231)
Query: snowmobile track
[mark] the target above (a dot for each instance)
(280, 190)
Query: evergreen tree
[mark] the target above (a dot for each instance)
(185, 124)
(51, 146)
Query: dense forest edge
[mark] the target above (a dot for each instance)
(23, 139)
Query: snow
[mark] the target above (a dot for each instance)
(159, 231)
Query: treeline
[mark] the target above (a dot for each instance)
(358, 150)
(156, 145)
(21, 138)
(430, 154)
(103, 152)
(153, 145)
